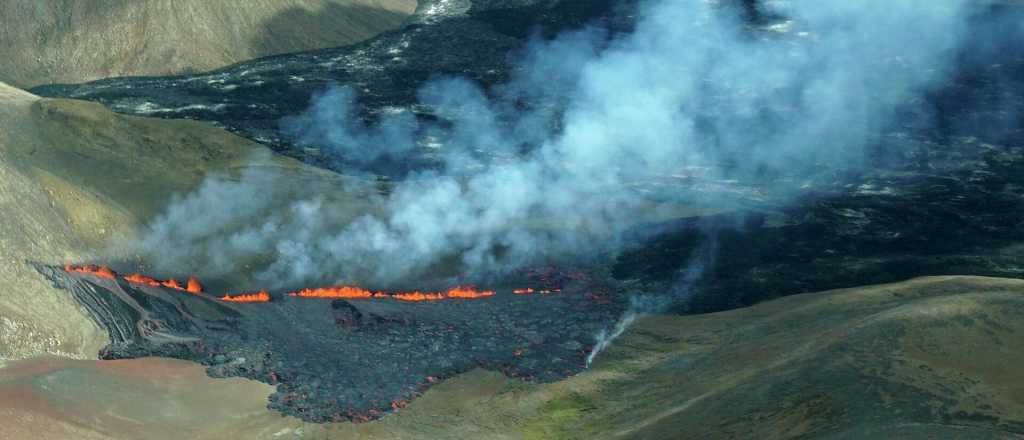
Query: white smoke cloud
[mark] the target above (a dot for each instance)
(605, 338)
(332, 120)
(692, 87)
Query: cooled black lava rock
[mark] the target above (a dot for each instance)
(349, 360)
(962, 214)
(346, 314)
(949, 204)
(474, 40)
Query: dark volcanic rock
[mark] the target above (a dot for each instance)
(949, 202)
(966, 218)
(250, 98)
(348, 360)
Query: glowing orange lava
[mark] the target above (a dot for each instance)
(193, 285)
(418, 296)
(101, 271)
(468, 292)
(530, 290)
(350, 292)
(142, 279)
(337, 292)
(262, 296)
(172, 284)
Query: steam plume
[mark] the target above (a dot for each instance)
(693, 92)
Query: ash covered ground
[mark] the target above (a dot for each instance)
(337, 360)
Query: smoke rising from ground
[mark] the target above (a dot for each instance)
(692, 91)
(680, 291)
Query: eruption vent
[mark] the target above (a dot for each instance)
(337, 292)
(530, 291)
(261, 296)
(101, 271)
(350, 292)
(172, 284)
(340, 292)
(142, 279)
(468, 292)
(194, 286)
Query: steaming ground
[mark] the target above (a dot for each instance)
(927, 358)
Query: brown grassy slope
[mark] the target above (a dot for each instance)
(53, 398)
(75, 176)
(933, 357)
(60, 41)
(929, 357)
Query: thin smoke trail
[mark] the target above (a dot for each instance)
(681, 291)
(604, 338)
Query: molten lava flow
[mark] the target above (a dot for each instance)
(262, 296)
(142, 279)
(349, 292)
(338, 292)
(172, 284)
(102, 271)
(341, 292)
(530, 290)
(468, 292)
(193, 285)
(418, 296)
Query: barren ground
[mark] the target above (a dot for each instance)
(53, 41)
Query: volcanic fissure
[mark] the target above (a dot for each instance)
(349, 353)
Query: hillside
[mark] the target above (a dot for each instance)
(74, 177)
(926, 358)
(430, 233)
(56, 41)
(929, 357)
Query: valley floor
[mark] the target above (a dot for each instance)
(933, 357)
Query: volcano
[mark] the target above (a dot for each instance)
(711, 208)
(345, 353)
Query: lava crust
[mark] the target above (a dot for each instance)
(337, 360)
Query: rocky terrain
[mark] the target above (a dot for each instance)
(927, 358)
(355, 359)
(881, 301)
(53, 41)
